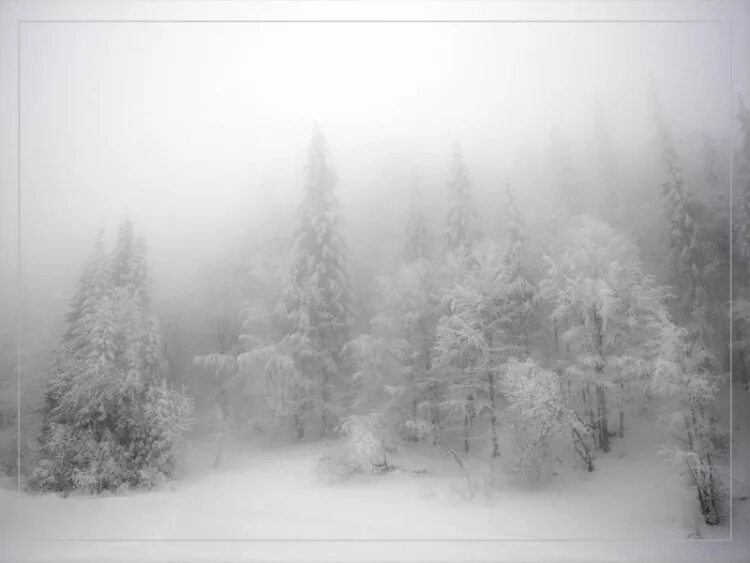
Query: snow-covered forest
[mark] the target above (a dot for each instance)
(386, 297)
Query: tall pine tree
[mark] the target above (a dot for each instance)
(741, 236)
(315, 303)
(109, 420)
(686, 249)
(461, 230)
(417, 245)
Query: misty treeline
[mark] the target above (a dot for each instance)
(518, 345)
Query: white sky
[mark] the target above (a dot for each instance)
(199, 130)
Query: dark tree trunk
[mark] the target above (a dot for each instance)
(601, 394)
(493, 417)
(740, 355)
(601, 404)
(466, 433)
(621, 408)
(413, 381)
(435, 409)
(590, 409)
(557, 342)
(468, 411)
(299, 422)
(299, 425)
(324, 405)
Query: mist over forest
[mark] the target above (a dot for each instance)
(470, 260)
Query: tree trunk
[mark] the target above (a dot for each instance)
(413, 381)
(621, 407)
(601, 396)
(433, 398)
(590, 409)
(299, 422)
(467, 420)
(435, 423)
(493, 417)
(324, 404)
(557, 342)
(601, 404)
(299, 425)
(740, 355)
(466, 433)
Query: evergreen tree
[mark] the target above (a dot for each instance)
(686, 247)
(461, 230)
(417, 237)
(741, 235)
(742, 219)
(315, 303)
(517, 277)
(406, 321)
(714, 233)
(717, 195)
(109, 421)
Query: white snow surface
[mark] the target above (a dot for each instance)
(273, 503)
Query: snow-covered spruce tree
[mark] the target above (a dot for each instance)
(741, 235)
(255, 379)
(599, 288)
(741, 220)
(461, 237)
(540, 418)
(683, 373)
(407, 320)
(717, 196)
(520, 290)
(8, 420)
(87, 350)
(109, 420)
(689, 251)
(714, 234)
(417, 245)
(461, 230)
(315, 302)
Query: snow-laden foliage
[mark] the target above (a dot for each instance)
(521, 309)
(610, 306)
(461, 228)
(367, 436)
(683, 372)
(367, 439)
(541, 420)
(471, 338)
(403, 334)
(742, 186)
(696, 257)
(418, 243)
(315, 303)
(109, 420)
(741, 256)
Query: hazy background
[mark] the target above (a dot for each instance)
(199, 130)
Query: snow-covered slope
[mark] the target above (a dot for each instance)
(631, 508)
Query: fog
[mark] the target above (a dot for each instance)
(199, 130)
(550, 335)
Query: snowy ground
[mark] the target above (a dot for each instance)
(631, 508)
